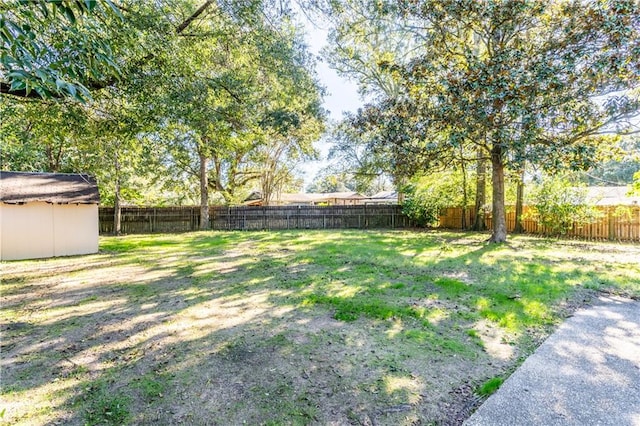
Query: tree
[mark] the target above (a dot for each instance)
(55, 49)
(327, 181)
(428, 195)
(289, 141)
(366, 36)
(616, 165)
(521, 80)
(635, 186)
(481, 188)
(118, 154)
(222, 90)
(69, 49)
(559, 204)
(40, 137)
(244, 97)
(354, 161)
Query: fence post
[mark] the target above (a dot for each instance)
(366, 220)
(156, 219)
(612, 229)
(212, 217)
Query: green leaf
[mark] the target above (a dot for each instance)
(69, 14)
(90, 4)
(114, 8)
(71, 89)
(17, 85)
(17, 29)
(42, 75)
(18, 74)
(43, 8)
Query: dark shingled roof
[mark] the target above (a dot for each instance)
(56, 188)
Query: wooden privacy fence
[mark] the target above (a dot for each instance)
(616, 223)
(137, 220)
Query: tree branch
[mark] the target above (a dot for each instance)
(22, 93)
(180, 28)
(5, 88)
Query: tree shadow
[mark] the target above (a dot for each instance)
(267, 327)
(586, 373)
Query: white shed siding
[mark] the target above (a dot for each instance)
(38, 229)
(75, 229)
(27, 231)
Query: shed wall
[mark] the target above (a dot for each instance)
(37, 230)
(75, 229)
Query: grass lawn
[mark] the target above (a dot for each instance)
(320, 327)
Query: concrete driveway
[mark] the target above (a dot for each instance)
(586, 373)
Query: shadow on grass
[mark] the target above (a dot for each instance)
(262, 327)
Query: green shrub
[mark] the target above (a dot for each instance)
(635, 186)
(558, 204)
(426, 196)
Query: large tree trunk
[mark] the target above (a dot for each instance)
(499, 234)
(465, 199)
(204, 192)
(117, 209)
(267, 189)
(400, 183)
(519, 229)
(481, 194)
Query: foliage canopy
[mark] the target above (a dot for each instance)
(525, 81)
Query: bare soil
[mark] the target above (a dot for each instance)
(170, 338)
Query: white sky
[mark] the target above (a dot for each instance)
(342, 95)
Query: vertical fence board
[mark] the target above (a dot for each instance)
(137, 220)
(616, 223)
(621, 223)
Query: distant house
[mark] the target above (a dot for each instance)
(339, 198)
(383, 197)
(47, 214)
(307, 199)
(256, 199)
(611, 196)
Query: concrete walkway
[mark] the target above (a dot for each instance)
(586, 373)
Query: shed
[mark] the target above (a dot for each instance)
(47, 214)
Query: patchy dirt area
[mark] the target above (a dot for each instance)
(242, 328)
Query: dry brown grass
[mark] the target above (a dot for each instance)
(227, 328)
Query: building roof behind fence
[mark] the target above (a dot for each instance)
(611, 196)
(55, 188)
